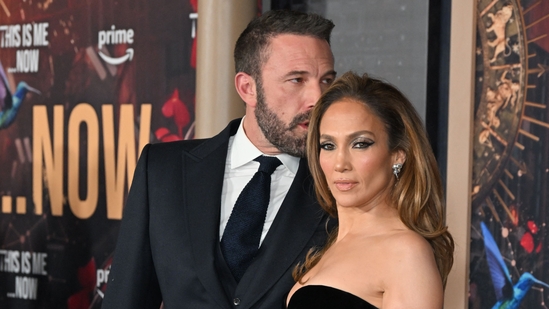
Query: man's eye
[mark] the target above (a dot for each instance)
(296, 80)
(328, 81)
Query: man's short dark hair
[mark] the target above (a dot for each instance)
(251, 49)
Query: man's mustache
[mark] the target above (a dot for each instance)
(300, 119)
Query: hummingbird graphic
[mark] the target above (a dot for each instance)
(508, 296)
(10, 104)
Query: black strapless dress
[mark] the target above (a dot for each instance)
(325, 297)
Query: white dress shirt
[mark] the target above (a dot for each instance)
(239, 170)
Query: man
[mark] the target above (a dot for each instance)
(172, 245)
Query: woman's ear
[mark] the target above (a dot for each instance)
(246, 87)
(399, 157)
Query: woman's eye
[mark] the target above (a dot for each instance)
(327, 146)
(362, 145)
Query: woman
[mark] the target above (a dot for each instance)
(374, 171)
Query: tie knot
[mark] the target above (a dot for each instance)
(267, 164)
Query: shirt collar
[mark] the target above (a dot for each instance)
(243, 151)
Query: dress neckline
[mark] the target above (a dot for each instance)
(326, 287)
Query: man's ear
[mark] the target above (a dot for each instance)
(246, 88)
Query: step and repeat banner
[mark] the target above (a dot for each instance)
(509, 253)
(84, 85)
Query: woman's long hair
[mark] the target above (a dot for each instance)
(417, 195)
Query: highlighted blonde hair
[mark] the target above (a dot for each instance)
(417, 195)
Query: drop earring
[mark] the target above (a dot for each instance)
(396, 169)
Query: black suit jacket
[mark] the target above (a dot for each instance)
(168, 244)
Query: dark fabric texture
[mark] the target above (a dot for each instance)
(325, 297)
(168, 248)
(241, 237)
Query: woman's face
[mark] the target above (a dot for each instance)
(354, 155)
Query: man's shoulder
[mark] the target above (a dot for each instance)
(167, 151)
(192, 144)
(178, 145)
(174, 146)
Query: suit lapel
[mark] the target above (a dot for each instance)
(203, 172)
(298, 219)
(294, 226)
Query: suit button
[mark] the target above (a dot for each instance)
(236, 301)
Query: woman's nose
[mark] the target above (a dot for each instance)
(342, 162)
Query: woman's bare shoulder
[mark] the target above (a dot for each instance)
(405, 239)
(406, 248)
(412, 275)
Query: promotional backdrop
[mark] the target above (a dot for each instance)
(84, 85)
(509, 256)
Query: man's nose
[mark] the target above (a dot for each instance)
(314, 92)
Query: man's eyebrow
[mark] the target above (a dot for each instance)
(294, 73)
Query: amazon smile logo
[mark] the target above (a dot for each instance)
(115, 36)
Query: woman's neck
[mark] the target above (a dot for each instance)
(358, 221)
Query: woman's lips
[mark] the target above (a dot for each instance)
(344, 185)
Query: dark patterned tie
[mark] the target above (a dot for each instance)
(240, 240)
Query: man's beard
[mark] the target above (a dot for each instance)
(276, 131)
